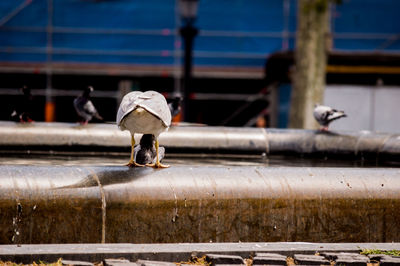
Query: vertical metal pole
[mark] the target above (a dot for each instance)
(188, 33)
(50, 106)
(285, 32)
(177, 61)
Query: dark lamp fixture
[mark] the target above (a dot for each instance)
(188, 9)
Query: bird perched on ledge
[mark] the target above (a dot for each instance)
(85, 108)
(146, 113)
(22, 112)
(325, 115)
(145, 152)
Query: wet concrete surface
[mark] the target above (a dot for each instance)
(28, 157)
(196, 202)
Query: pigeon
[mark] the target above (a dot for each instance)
(23, 111)
(146, 113)
(175, 106)
(145, 152)
(325, 115)
(85, 108)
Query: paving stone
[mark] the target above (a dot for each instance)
(229, 265)
(154, 263)
(389, 261)
(330, 255)
(310, 260)
(269, 259)
(215, 259)
(350, 261)
(377, 257)
(263, 254)
(75, 262)
(118, 262)
(344, 255)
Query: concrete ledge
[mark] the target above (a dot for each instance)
(212, 139)
(172, 252)
(68, 204)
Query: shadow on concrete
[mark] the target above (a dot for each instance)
(110, 177)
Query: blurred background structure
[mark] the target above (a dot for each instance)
(242, 58)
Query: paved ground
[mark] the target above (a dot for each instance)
(287, 253)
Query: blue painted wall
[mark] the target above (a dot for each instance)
(144, 30)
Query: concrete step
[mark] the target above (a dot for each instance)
(167, 254)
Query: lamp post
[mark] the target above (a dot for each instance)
(188, 13)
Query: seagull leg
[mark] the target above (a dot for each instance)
(132, 162)
(157, 164)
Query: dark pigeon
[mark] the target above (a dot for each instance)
(145, 152)
(22, 113)
(85, 108)
(175, 106)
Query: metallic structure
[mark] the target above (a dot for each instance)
(275, 33)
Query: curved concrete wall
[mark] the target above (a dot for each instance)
(65, 204)
(216, 139)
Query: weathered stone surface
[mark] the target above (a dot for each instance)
(66, 204)
(350, 261)
(389, 261)
(154, 263)
(118, 262)
(269, 258)
(215, 259)
(310, 260)
(345, 258)
(77, 263)
(377, 257)
(229, 264)
(171, 252)
(344, 255)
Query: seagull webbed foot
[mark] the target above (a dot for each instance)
(134, 164)
(157, 165)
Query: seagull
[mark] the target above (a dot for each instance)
(85, 108)
(23, 111)
(325, 115)
(146, 113)
(145, 153)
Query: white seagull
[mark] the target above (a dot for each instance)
(146, 113)
(325, 115)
